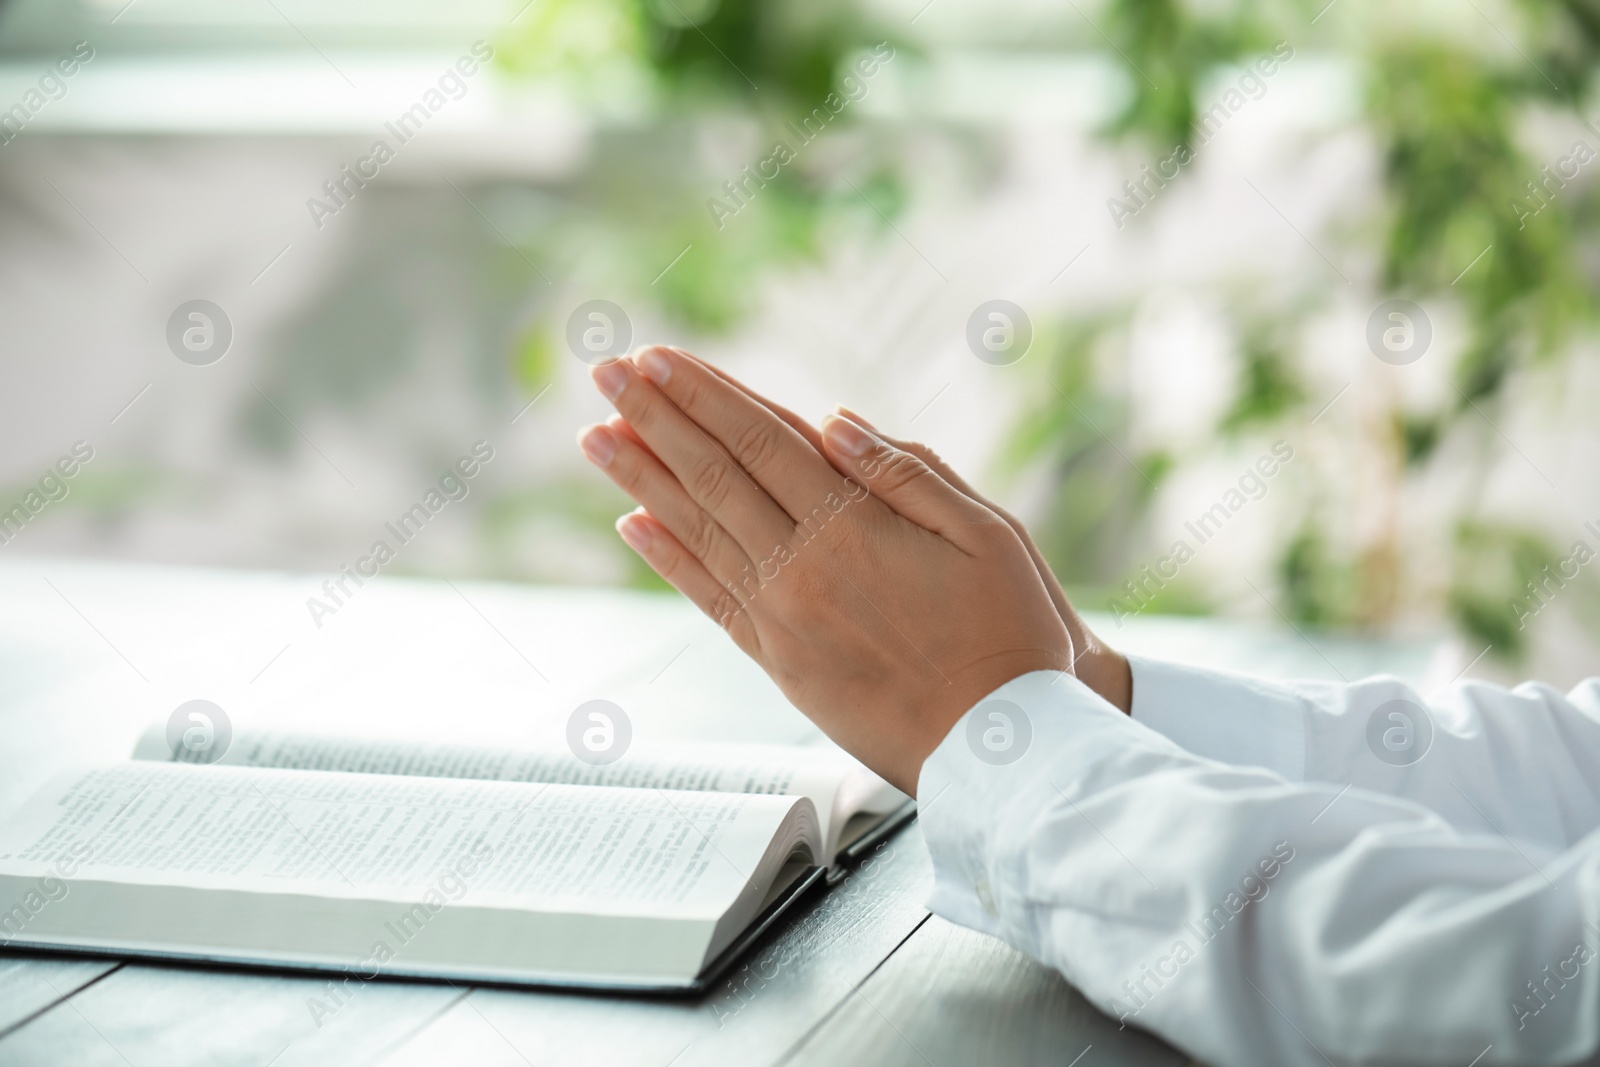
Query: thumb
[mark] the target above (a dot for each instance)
(934, 461)
(904, 482)
(1057, 595)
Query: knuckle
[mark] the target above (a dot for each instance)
(899, 469)
(917, 448)
(628, 472)
(701, 537)
(644, 414)
(753, 444)
(670, 565)
(690, 391)
(711, 482)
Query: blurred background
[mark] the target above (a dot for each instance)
(1274, 311)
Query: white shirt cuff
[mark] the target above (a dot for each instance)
(1231, 718)
(980, 791)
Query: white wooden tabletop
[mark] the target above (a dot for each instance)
(91, 653)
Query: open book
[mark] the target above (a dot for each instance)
(473, 863)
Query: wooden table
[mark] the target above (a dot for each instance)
(91, 653)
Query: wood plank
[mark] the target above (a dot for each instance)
(31, 983)
(788, 983)
(158, 1014)
(951, 996)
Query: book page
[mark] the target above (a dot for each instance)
(818, 774)
(598, 850)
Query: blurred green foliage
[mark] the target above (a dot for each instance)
(1459, 226)
(1097, 489)
(1170, 48)
(573, 508)
(1468, 221)
(659, 72)
(650, 221)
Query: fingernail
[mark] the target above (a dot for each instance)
(845, 436)
(635, 531)
(655, 364)
(598, 444)
(611, 378)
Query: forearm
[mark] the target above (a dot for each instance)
(1523, 762)
(1251, 919)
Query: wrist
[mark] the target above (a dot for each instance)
(1106, 671)
(933, 712)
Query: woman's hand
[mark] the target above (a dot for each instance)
(881, 599)
(1097, 664)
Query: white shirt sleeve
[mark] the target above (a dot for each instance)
(1261, 911)
(1523, 762)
